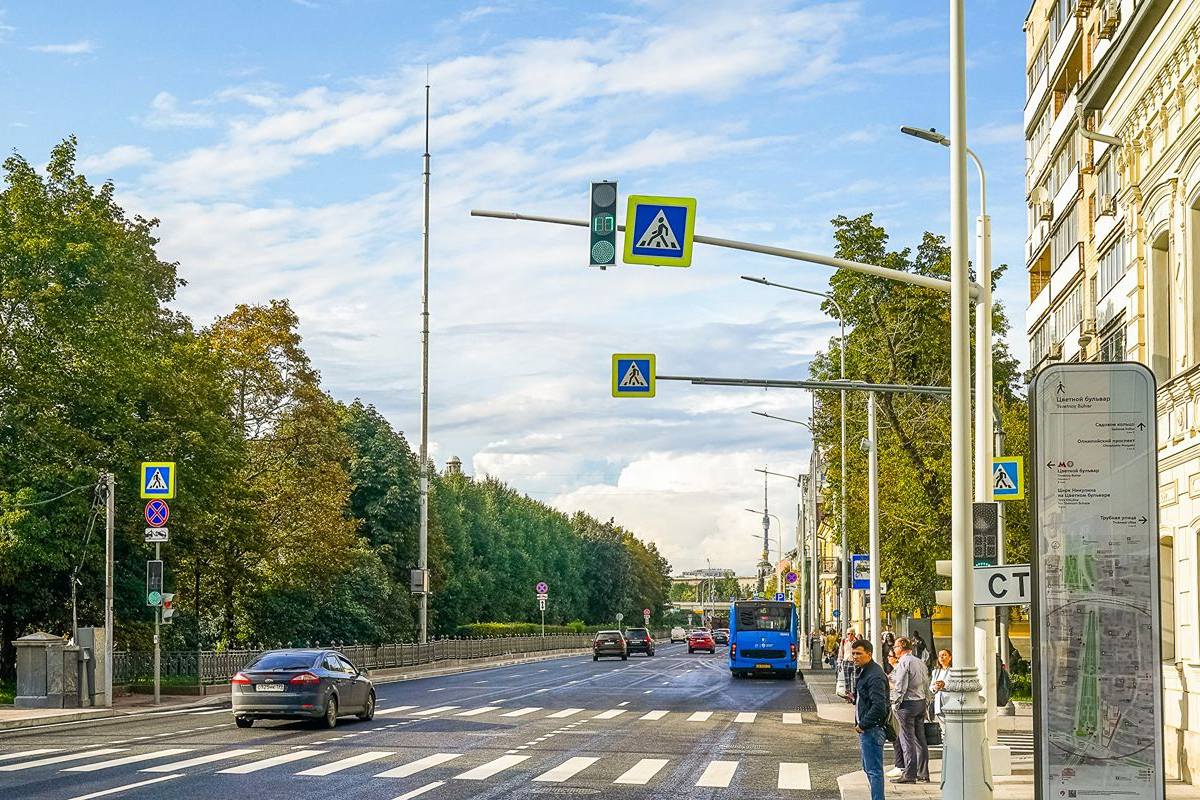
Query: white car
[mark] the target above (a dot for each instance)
(678, 635)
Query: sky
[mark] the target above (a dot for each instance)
(280, 144)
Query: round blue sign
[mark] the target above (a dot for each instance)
(157, 513)
(542, 588)
(791, 577)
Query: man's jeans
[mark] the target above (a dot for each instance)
(911, 716)
(871, 744)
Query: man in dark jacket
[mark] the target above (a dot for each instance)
(871, 704)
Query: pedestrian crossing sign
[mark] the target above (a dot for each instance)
(158, 479)
(633, 375)
(659, 230)
(1007, 480)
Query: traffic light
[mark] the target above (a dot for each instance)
(168, 607)
(985, 532)
(603, 248)
(154, 583)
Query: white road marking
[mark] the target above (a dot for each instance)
(566, 712)
(653, 715)
(700, 716)
(441, 689)
(745, 716)
(612, 712)
(623, 704)
(346, 763)
(215, 711)
(198, 760)
(392, 710)
(266, 763)
(45, 762)
(116, 762)
(421, 764)
(543, 670)
(794, 775)
(117, 789)
(490, 768)
(567, 769)
(477, 711)
(648, 691)
(641, 773)
(718, 774)
(40, 750)
(429, 711)
(418, 792)
(792, 718)
(520, 712)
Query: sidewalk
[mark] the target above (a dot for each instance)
(1010, 787)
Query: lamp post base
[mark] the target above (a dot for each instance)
(966, 758)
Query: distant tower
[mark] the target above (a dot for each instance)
(454, 466)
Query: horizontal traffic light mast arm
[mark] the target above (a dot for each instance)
(781, 252)
(849, 386)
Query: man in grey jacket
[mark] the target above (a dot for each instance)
(911, 698)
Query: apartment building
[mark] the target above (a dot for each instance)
(1113, 256)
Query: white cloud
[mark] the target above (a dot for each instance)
(70, 48)
(6, 30)
(118, 157)
(165, 113)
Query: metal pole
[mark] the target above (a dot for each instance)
(157, 644)
(873, 528)
(965, 775)
(998, 449)
(423, 540)
(109, 524)
(845, 545)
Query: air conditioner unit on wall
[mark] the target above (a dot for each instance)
(1110, 17)
(1055, 352)
(1108, 204)
(1044, 211)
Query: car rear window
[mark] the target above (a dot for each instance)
(284, 661)
(609, 633)
(699, 634)
(764, 618)
(642, 632)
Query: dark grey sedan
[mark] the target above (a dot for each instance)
(301, 684)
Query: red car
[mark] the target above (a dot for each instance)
(701, 640)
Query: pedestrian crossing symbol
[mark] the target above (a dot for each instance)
(633, 375)
(1007, 482)
(659, 230)
(158, 479)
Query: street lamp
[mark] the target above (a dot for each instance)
(844, 598)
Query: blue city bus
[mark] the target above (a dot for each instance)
(763, 638)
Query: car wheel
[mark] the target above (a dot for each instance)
(243, 722)
(368, 713)
(329, 720)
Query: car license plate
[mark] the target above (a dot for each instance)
(269, 687)
(762, 666)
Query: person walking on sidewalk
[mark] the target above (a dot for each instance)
(846, 663)
(870, 713)
(912, 703)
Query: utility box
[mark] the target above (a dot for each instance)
(47, 672)
(93, 649)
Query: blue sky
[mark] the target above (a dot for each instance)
(280, 144)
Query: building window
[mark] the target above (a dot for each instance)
(1041, 130)
(1108, 181)
(1068, 314)
(1066, 236)
(1112, 341)
(1037, 68)
(1112, 267)
(1065, 161)
(1039, 344)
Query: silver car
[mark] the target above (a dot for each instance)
(301, 684)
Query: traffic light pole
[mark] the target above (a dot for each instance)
(109, 520)
(157, 625)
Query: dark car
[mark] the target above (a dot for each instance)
(721, 636)
(610, 643)
(639, 640)
(701, 639)
(301, 684)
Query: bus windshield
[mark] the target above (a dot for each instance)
(764, 617)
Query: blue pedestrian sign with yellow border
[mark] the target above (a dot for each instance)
(158, 479)
(659, 230)
(633, 375)
(1007, 480)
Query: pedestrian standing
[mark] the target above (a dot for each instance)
(897, 752)
(911, 704)
(870, 713)
(938, 681)
(846, 663)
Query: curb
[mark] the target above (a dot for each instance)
(30, 722)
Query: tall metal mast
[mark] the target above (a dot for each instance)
(423, 547)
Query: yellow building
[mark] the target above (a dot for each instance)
(1113, 190)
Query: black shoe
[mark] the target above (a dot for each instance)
(904, 780)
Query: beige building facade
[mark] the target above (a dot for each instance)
(1113, 256)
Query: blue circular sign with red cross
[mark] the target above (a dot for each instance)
(791, 577)
(157, 513)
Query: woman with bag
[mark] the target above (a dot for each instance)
(937, 685)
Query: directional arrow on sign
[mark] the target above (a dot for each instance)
(1141, 426)
(1050, 464)
(1142, 520)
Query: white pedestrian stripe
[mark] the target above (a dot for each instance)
(520, 712)
(117, 762)
(700, 716)
(566, 712)
(793, 775)
(641, 773)
(429, 711)
(45, 762)
(490, 768)
(718, 774)
(392, 710)
(199, 760)
(612, 712)
(567, 769)
(273, 761)
(346, 763)
(418, 792)
(745, 716)
(39, 751)
(126, 787)
(653, 715)
(420, 765)
(477, 711)
(792, 718)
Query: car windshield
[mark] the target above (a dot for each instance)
(283, 661)
(763, 618)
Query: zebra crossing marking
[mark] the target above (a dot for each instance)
(346, 763)
(566, 712)
(718, 774)
(792, 718)
(133, 759)
(653, 715)
(199, 760)
(429, 711)
(490, 768)
(393, 710)
(420, 765)
(641, 773)
(794, 775)
(126, 787)
(45, 762)
(420, 791)
(700, 716)
(474, 712)
(745, 716)
(39, 751)
(567, 769)
(273, 761)
(610, 714)
(520, 712)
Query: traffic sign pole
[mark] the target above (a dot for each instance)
(157, 646)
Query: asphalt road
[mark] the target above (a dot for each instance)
(675, 725)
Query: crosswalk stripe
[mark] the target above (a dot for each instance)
(612, 712)
(746, 716)
(718, 774)
(421, 764)
(273, 761)
(429, 711)
(116, 762)
(40, 750)
(641, 773)
(520, 712)
(792, 718)
(477, 711)
(392, 710)
(346, 763)
(567, 769)
(566, 712)
(490, 768)
(653, 715)
(793, 775)
(700, 716)
(419, 791)
(45, 762)
(214, 711)
(126, 787)
(198, 760)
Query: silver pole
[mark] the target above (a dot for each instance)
(110, 481)
(845, 542)
(423, 541)
(157, 642)
(873, 527)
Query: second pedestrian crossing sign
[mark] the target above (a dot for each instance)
(158, 479)
(1008, 482)
(633, 375)
(659, 230)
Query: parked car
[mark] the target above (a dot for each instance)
(701, 639)
(678, 635)
(721, 636)
(610, 643)
(639, 640)
(301, 684)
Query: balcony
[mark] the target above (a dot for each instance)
(1065, 195)
(1064, 120)
(1067, 40)
(1066, 271)
(1033, 105)
(1033, 314)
